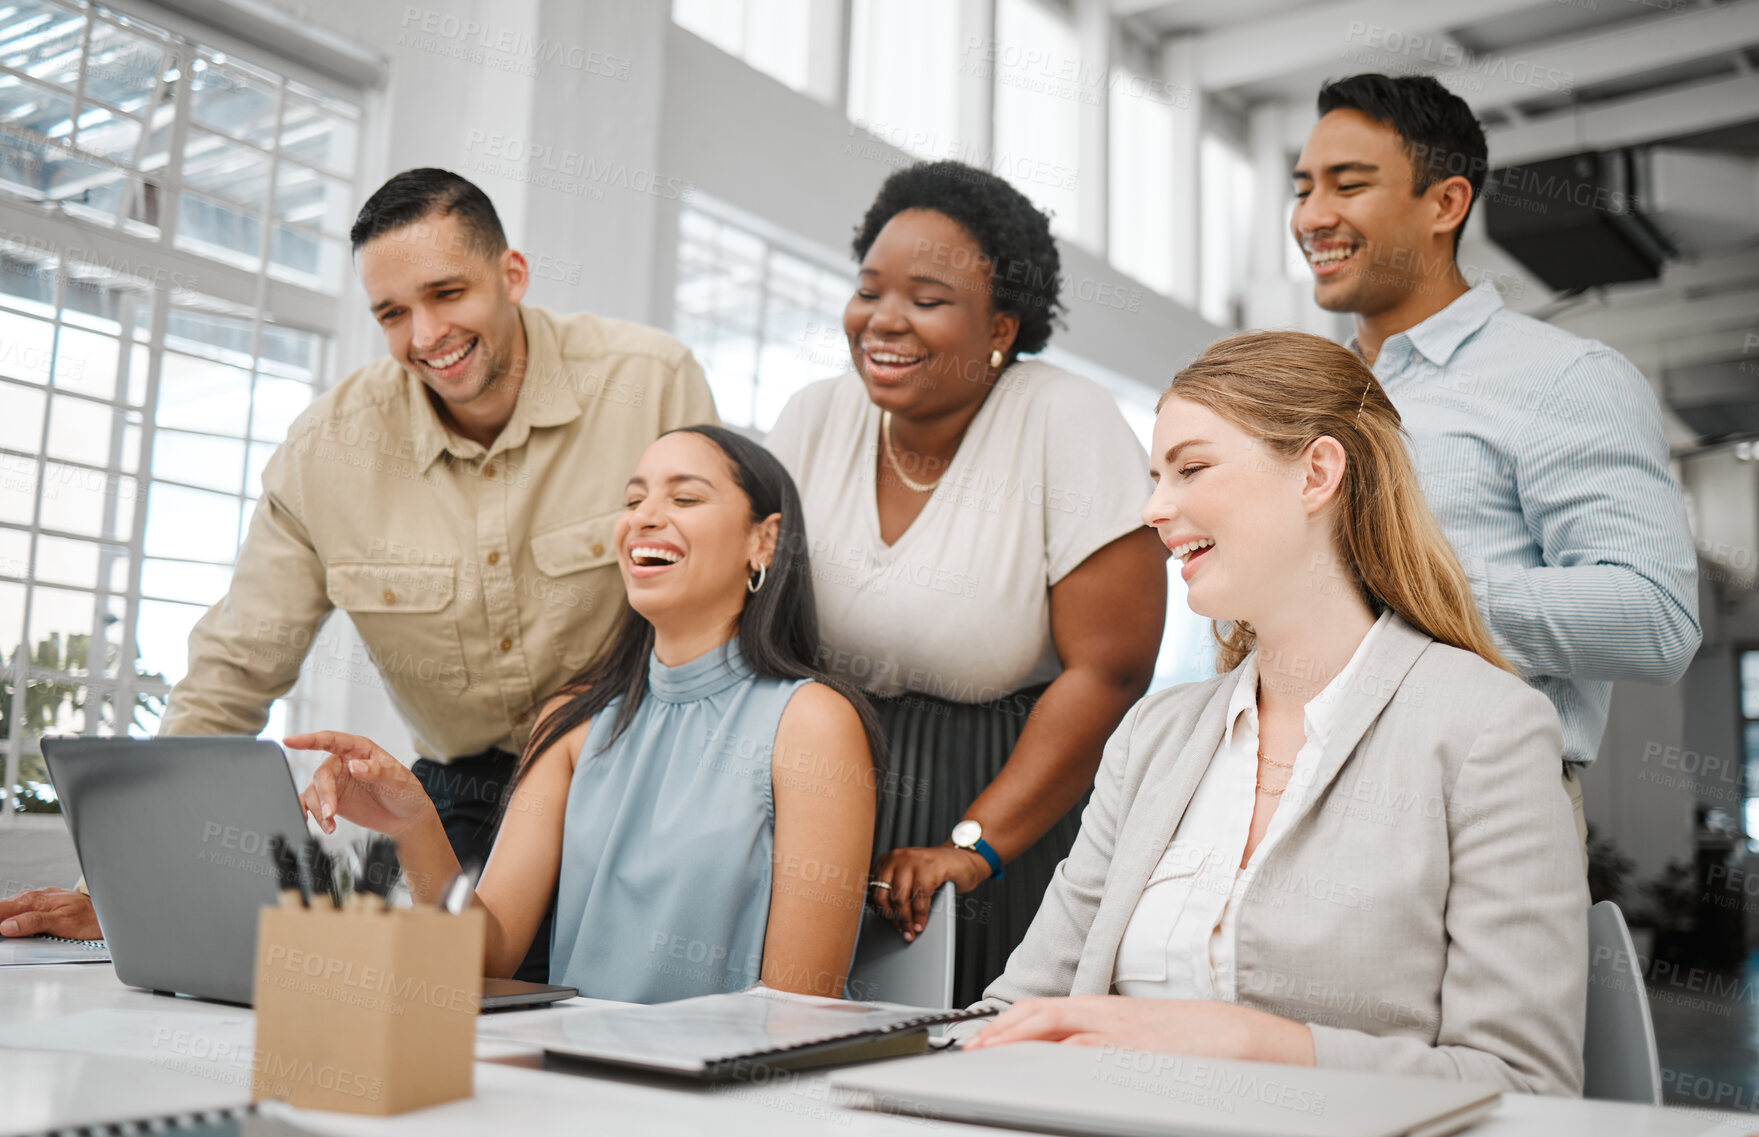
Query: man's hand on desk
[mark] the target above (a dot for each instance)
(50, 911)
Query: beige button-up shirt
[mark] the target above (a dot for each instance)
(479, 579)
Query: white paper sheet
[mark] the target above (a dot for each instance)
(31, 951)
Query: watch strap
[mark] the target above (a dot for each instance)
(982, 849)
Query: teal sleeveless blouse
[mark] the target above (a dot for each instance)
(667, 841)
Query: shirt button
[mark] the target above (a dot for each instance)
(488, 471)
(495, 558)
(598, 549)
(521, 717)
(390, 597)
(506, 644)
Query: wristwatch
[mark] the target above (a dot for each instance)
(968, 834)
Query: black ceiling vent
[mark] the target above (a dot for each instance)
(1577, 222)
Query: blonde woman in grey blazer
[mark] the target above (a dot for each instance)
(1353, 847)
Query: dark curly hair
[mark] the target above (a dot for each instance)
(1011, 232)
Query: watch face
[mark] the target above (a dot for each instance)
(967, 833)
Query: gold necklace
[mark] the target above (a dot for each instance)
(892, 459)
(1258, 777)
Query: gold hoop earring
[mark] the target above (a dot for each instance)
(750, 585)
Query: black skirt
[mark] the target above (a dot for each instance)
(941, 756)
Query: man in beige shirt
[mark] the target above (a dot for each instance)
(455, 498)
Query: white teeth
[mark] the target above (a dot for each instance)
(649, 552)
(1330, 256)
(446, 361)
(888, 357)
(1180, 552)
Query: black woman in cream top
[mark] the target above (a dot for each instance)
(976, 549)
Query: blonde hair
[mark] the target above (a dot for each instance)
(1289, 388)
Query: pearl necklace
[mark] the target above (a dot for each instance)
(892, 459)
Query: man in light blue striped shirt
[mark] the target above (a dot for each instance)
(1541, 453)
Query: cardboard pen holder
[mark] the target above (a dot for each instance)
(366, 1011)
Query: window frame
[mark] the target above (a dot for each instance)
(161, 274)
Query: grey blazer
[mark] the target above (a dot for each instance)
(1426, 912)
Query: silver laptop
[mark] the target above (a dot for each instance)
(1048, 1087)
(173, 838)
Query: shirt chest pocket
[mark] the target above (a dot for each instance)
(579, 564)
(406, 617)
(1155, 926)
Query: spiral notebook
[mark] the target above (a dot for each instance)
(31, 951)
(717, 1037)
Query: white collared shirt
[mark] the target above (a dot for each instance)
(1179, 943)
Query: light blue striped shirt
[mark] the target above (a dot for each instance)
(1542, 455)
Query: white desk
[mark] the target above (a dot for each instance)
(83, 1008)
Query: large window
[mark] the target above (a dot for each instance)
(905, 59)
(1228, 186)
(171, 242)
(1040, 86)
(764, 321)
(788, 40)
(1140, 217)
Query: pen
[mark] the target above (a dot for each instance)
(456, 897)
(287, 873)
(323, 870)
(378, 870)
(358, 889)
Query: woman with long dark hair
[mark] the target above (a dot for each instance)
(700, 799)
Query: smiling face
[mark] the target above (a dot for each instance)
(921, 324)
(685, 542)
(1369, 239)
(449, 312)
(1229, 508)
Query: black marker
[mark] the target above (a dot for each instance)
(379, 869)
(287, 873)
(323, 871)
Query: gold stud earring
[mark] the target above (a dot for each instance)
(995, 357)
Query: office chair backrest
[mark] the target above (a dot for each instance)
(1619, 1058)
(918, 973)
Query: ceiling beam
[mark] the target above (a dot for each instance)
(1501, 77)
(1631, 121)
(1662, 319)
(1123, 8)
(1330, 33)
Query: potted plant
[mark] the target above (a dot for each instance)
(1609, 872)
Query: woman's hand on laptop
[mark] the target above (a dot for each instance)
(359, 781)
(1207, 1028)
